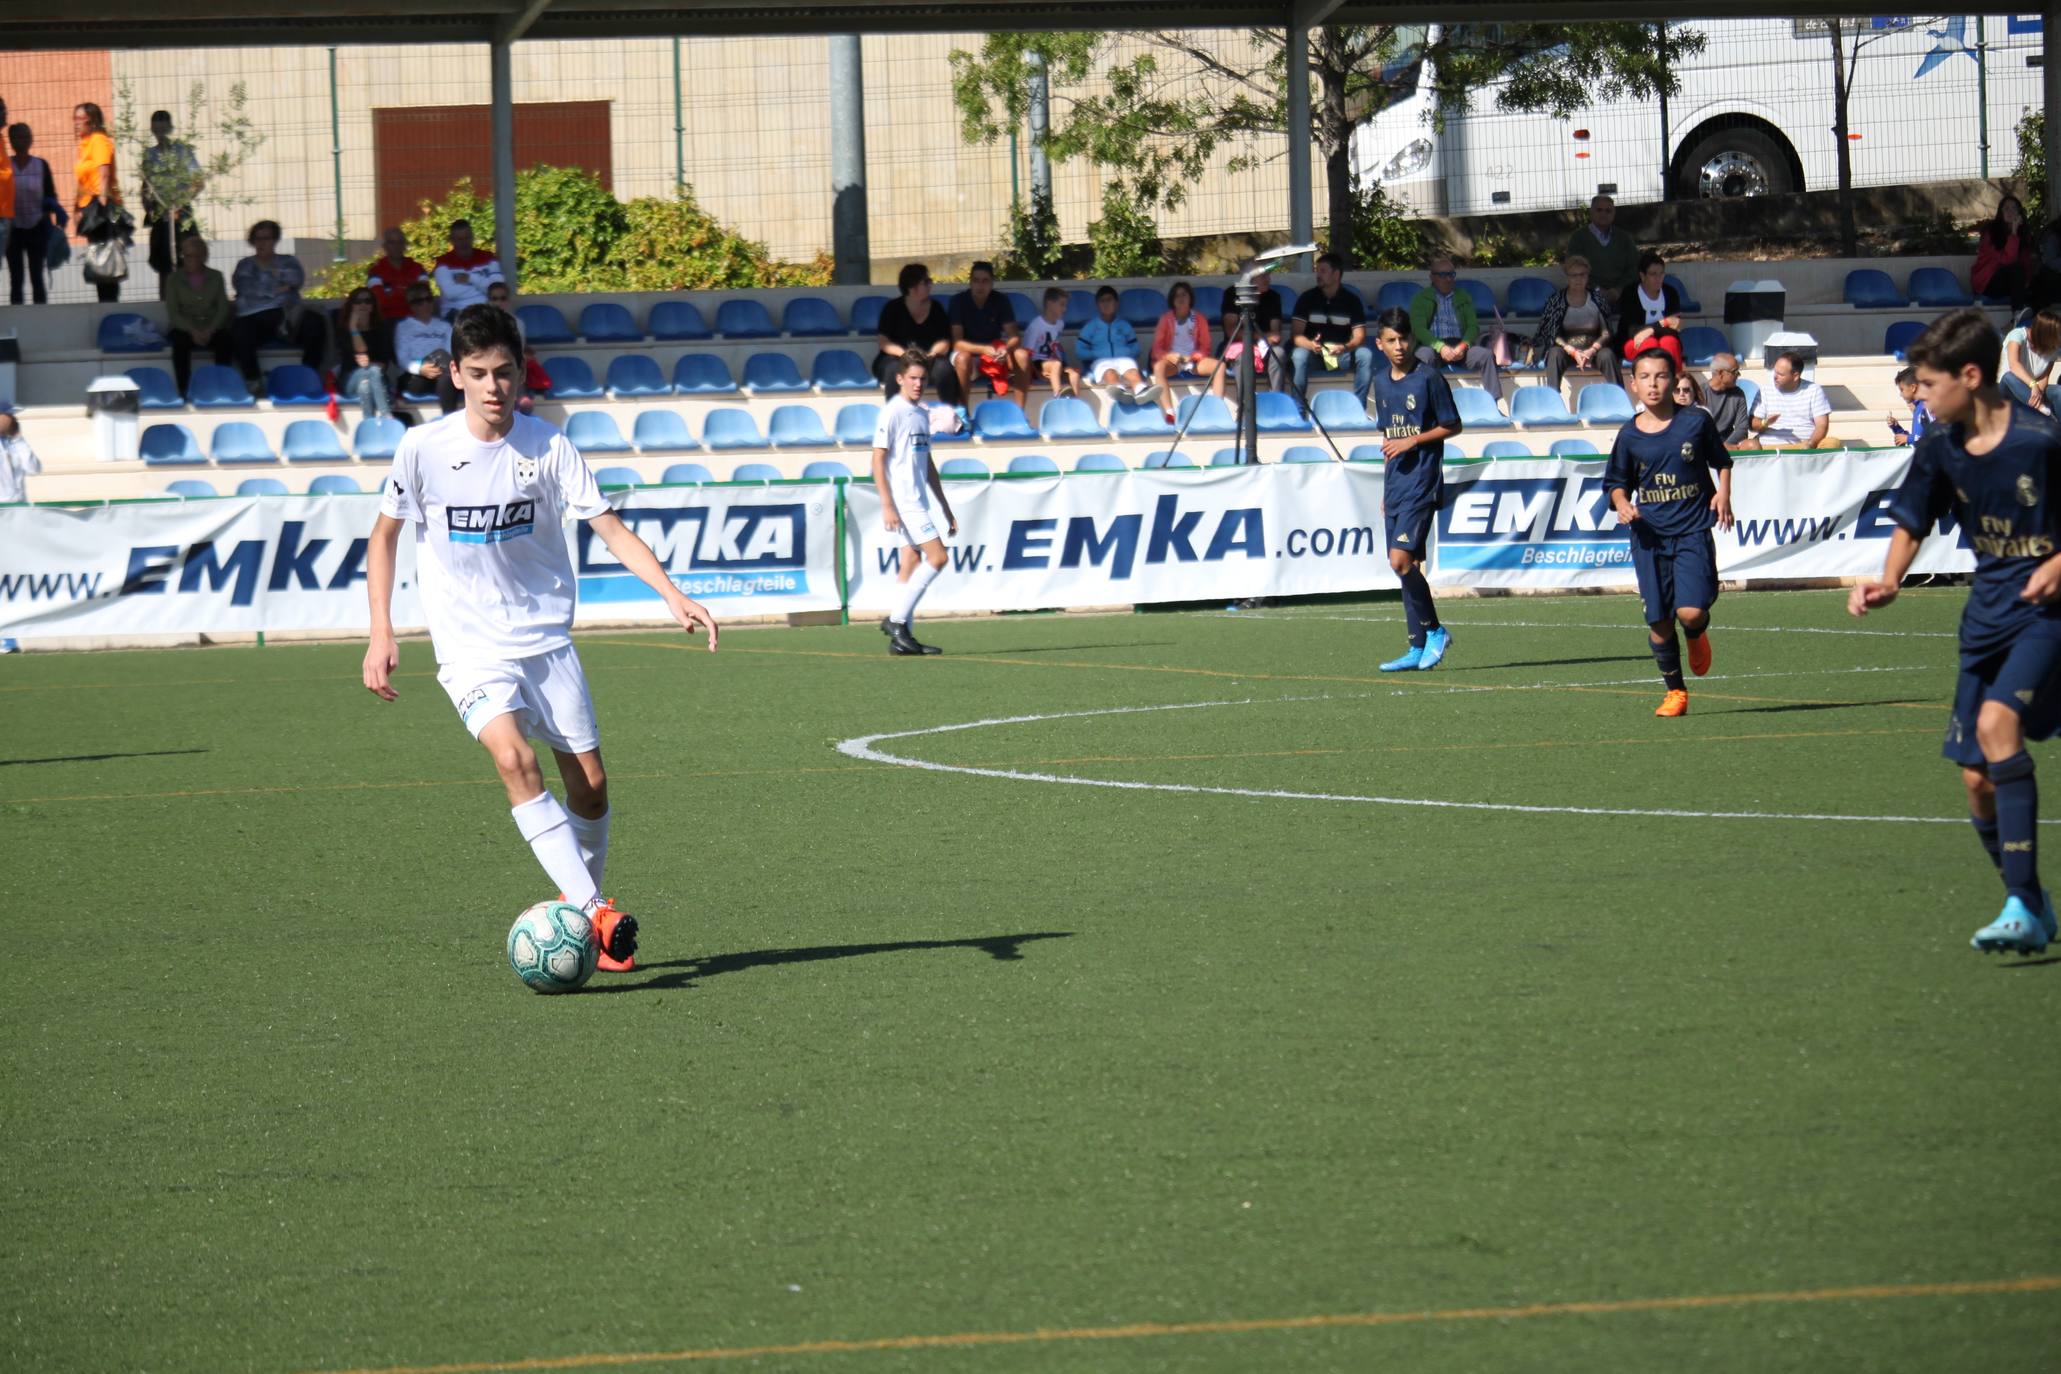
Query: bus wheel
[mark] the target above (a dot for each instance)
(1727, 164)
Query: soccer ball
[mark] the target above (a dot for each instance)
(552, 947)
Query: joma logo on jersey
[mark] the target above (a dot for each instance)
(1503, 510)
(491, 524)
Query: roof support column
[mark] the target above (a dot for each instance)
(1301, 228)
(503, 123)
(851, 243)
(2050, 82)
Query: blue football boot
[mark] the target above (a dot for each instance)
(1436, 642)
(1410, 660)
(2018, 929)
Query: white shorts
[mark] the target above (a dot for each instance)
(1110, 369)
(547, 692)
(917, 528)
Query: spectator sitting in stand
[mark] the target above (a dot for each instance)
(2004, 261)
(1650, 312)
(364, 352)
(1689, 392)
(1907, 387)
(1109, 353)
(1575, 332)
(422, 349)
(392, 274)
(986, 340)
(1271, 327)
(1266, 362)
(1447, 330)
(1612, 256)
(464, 274)
(1047, 351)
(197, 311)
(268, 306)
(18, 461)
(1792, 412)
(2032, 360)
(914, 321)
(1727, 403)
(1180, 345)
(1330, 324)
(535, 380)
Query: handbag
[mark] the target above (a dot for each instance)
(106, 260)
(100, 221)
(57, 250)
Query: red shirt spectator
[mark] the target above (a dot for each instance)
(464, 274)
(2003, 264)
(392, 275)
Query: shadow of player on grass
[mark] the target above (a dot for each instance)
(682, 973)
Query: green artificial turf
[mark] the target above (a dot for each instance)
(916, 1053)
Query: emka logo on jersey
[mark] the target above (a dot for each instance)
(1530, 522)
(491, 524)
(727, 551)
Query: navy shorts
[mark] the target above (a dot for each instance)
(2025, 677)
(1409, 526)
(1674, 571)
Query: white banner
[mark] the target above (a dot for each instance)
(298, 562)
(1288, 529)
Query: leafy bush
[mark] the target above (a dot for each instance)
(1496, 247)
(2032, 164)
(1125, 240)
(1384, 237)
(1030, 249)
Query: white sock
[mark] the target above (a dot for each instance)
(545, 824)
(912, 592)
(593, 838)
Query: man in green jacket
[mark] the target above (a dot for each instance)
(1613, 257)
(1447, 329)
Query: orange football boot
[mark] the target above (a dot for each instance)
(1699, 654)
(1675, 703)
(617, 933)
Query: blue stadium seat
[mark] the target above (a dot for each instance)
(855, 423)
(155, 389)
(616, 477)
(1167, 458)
(215, 387)
(608, 322)
(1305, 453)
(1477, 411)
(1371, 453)
(731, 427)
(1531, 406)
(334, 484)
(866, 314)
(633, 375)
(1284, 296)
(1069, 417)
(1690, 305)
(702, 374)
(571, 378)
(595, 431)
(1023, 307)
(1528, 297)
(840, 369)
(1575, 448)
(1209, 303)
(678, 321)
(1609, 406)
(1454, 452)
(1900, 336)
(312, 441)
(797, 427)
(962, 467)
(661, 431)
(1752, 390)
(687, 472)
(1483, 294)
(190, 486)
(543, 324)
(1080, 307)
(1701, 343)
(1938, 288)
(755, 472)
(291, 384)
(376, 439)
(1396, 295)
(1211, 415)
(124, 331)
(1128, 421)
(1001, 421)
(1340, 412)
(772, 373)
(1033, 463)
(824, 469)
(1099, 462)
(1225, 458)
(1505, 448)
(745, 319)
(808, 317)
(240, 441)
(1142, 306)
(261, 486)
(1869, 288)
(1278, 413)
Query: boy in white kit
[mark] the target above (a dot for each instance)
(488, 490)
(905, 479)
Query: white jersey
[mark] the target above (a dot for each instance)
(904, 431)
(17, 461)
(1041, 337)
(490, 549)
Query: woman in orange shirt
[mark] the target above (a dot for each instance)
(96, 173)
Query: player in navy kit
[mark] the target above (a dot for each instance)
(1670, 480)
(1994, 464)
(1414, 407)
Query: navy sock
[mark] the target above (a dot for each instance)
(1986, 831)
(1418, 610)
(1668, 654)
(1696, 633)
(2018, 814)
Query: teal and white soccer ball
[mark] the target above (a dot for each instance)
(552, 947)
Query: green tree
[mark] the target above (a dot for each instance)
(222, 139)
(1125, 240)
(2032, 164)
(1030, 247)
(1157, 116)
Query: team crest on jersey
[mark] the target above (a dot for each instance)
(525, 470)
(2028, 490)
(1688, 453)
(1410, 401)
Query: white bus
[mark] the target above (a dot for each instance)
(1752, 116)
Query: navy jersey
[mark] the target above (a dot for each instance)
(2005, 501)
(1407, 406)
(1669, 475)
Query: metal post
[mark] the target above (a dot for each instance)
(1660, 31)
(1040, 101)
(502, 54)
(1982, 93)
(2050, 93)
(1015, 173)
(1301, 214)
(336, 156)
(850, 238)
(679, 123)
